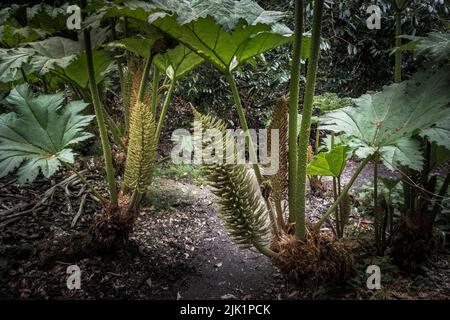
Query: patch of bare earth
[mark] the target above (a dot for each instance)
(178, 250)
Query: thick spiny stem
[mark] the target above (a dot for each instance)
(293, 108)
(300, 206)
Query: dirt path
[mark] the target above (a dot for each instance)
(179, 250)
(221, 270)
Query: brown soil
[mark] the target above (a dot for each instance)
(178, 250)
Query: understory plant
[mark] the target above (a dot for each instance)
(150, 46)
(323, 103)
(299, 251)
(143, 128)
(424, 192)
(332, 164)
(387, 127)
(38, 134)
(87, 60)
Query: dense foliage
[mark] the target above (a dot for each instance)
(232, 59)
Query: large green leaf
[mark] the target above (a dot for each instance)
(11, 62)
(227, 32)
(178, 61)
(138, 10)
(386, 121)
(436, 45)
(38, 134)
(77, 70)
(59, 52)
(59, 55)
(136, 13)
(11, 36)
(139, 46)
(54, 52)
(47, 17)
(329, 164)
(227, 13)
(439, 132)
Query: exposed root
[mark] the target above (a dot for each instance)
(11, 215)
(80, 210)
(320, 259)
(108, 233)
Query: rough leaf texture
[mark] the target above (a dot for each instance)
(54, 52)
(227, 13)
(181, 59)
(38, 134)
(387, 120)
(11, 62)
(226, 32)
(436, 45)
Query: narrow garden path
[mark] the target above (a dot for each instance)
(221, 270)
(179, 250)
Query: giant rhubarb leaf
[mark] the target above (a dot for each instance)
(227, 32)
(54, 52)
(12, 62)
(387, 120)
(62, 56)
(11, 36)
(77, 70)
(436, 45)
(178, 61)
(38, 134)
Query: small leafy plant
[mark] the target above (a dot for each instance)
(39, 133)
(382, 126)
(332, 164)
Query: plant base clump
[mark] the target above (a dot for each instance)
(412, 243)
(108, 233)
(112, 226)
(320, 259)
